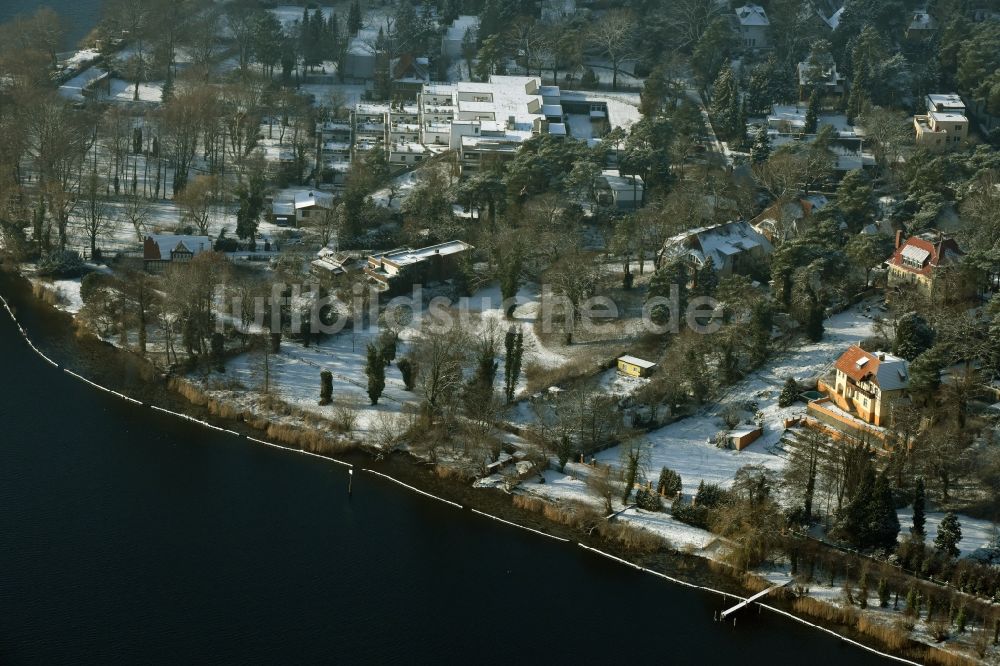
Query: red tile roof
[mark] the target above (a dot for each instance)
(848, 364)
(938, 254)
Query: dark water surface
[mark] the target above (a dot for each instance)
(130, 536)
(79, 15)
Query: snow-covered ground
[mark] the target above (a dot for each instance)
(976, 533)
(73, 89)
(488, 303)
(686, 445)
(124, 91)
(293, 376)
(403, 183)
(293, 373)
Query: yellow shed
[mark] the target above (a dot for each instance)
(635, 367)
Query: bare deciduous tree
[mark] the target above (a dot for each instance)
(614, 36)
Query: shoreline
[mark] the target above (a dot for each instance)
(401, 468)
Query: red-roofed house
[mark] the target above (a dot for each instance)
(866, 384)
(916, 261)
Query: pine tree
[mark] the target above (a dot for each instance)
(375, 370)
(912, 601)
(814, 318)
(883, 593)
(812, 114)
(961, 620)
(354, 18)
(408, 369)
(856, 522)
(325, 387)
(883, 521)
(919, 518)
(914, 336)
(514, 343)
(789, 393)
(669, 483)
(948, 535)
(725, 104)
(387, 341)
(760, 149)
(863, 586)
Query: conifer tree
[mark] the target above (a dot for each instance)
(863, 586)
(948, 535)
(514, 344)
(326, 387)
(375, 370)
(408, 369)
(884, 521)
(789, 393)
(354, 18)
(912, 601)
(919, 517)
(760, 149)
(812, 114)
(725, 107)
(883, 593)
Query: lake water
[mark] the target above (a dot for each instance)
(126, 535)
(79, 15)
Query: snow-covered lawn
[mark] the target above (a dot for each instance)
(572, 487)
(67, 292)
(124, 91)
(615, 383)
(686, 445)
(976, 533)
(293, 376)
(404, 184)
(488, 302)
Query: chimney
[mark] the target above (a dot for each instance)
(899, 238)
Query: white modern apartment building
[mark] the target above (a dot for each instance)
(489, 120)
(478, 121)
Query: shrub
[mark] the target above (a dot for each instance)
(408, 369)
(325, 387)
(789, 393)
(670, 482)
(648, 500)
(65, 263)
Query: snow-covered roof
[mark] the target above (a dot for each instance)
(914, 253)
(752, 15)
(408, 256)
(922, 21)
(834, 20)
(945, 102)
(310, 199)
(719, 242)
(167, 243)
(636, 361)
(618, 182)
